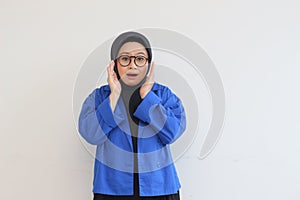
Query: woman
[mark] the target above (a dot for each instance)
(132, 120)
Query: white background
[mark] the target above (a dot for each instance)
(254, 45)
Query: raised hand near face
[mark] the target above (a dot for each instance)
(147, 86)
(114, 85)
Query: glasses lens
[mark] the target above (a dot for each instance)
(140, 61)
(124, 60)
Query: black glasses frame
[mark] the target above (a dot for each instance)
(131, 59)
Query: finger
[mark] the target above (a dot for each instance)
(151, 74)
(108, 71)
(115, 76)
(111, 65)
(110, 68)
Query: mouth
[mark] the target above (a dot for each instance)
(131, 75)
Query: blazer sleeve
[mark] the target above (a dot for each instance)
(96, 119)
(164, 113)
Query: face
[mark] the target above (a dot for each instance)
(132, 74)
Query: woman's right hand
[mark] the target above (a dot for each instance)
(114, 84)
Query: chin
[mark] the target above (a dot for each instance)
(130, 82)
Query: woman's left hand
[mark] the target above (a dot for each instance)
(147, 86)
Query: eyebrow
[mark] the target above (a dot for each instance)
(128, 53)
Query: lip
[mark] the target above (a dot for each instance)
(131, 76)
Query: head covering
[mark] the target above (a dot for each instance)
(129, 36)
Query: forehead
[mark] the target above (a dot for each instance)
(132, 47)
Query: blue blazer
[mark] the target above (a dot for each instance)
(162, 120)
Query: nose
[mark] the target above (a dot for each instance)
(132, 63)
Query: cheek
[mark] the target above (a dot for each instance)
(121, 70)
(144, 70)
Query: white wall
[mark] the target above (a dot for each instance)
(254, 45)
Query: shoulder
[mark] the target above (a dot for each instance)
(103, 89)
(159, 87)
(100, 92)
(162, 90)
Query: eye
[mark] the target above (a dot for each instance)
(124, 58)
(140, 58)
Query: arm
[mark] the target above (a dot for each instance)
(164, 114)
(96, 119)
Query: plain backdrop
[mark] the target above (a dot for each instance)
(254, 45)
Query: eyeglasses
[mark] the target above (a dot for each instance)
(139, 61)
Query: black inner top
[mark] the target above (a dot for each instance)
(131, 97)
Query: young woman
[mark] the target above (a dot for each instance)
(133, 120)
